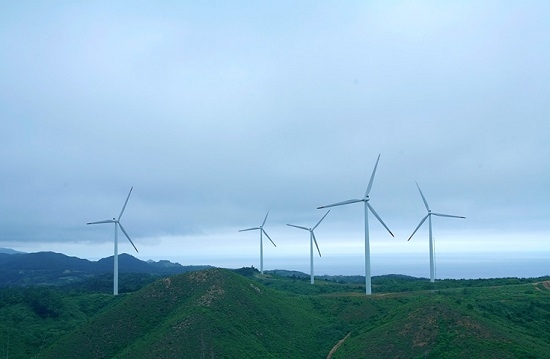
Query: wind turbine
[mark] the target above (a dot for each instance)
(262, 231)
(311, 240)
(368, 207)
(117, 223)
(429, 217)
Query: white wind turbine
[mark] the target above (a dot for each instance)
(262, 231)
(311, 240)
(368, 207)
(117, 223)
(429, 217)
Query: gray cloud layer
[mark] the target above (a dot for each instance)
(216, 113)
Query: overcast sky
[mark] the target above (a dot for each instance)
(217, 112)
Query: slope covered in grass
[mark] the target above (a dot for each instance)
(33, 318)
(221, 314)
(485, 322)
(213, 313)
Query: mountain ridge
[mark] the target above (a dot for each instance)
(9, 251)
(41, 268)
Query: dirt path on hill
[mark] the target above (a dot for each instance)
(545, 284)
(335, 348)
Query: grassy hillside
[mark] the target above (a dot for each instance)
(510, 321)
(33, 318)
(221, 314)
(214, 313)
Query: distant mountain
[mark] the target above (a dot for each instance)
(56, 268)
(9, 251)
(126, 264)
(41, 261)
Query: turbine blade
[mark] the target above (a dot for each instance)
(292, 225)
(380, 219)
(419, 224)
(372, 177)
(423, 198)
(127, 236)
(249, 229)
(447, 215)
(265, 219)
(316, 245)
(125, 203)
(267, 235)
(341, 203)
(318, 223)
(100, 222)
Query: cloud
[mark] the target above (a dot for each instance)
(217, 113)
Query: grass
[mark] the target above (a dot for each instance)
(218, 313)
(476, 322)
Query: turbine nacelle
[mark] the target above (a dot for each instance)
(430, 213)
(312, 234)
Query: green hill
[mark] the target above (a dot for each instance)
(213, 313)
(511, 321)
(33, 318)
(219, 313)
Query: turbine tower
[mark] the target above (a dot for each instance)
(262, 231)
(368, 207)
(117, 223)
(311, 240)
(429, 217)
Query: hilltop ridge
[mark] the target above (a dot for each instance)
(220, 314)
(202, 314)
